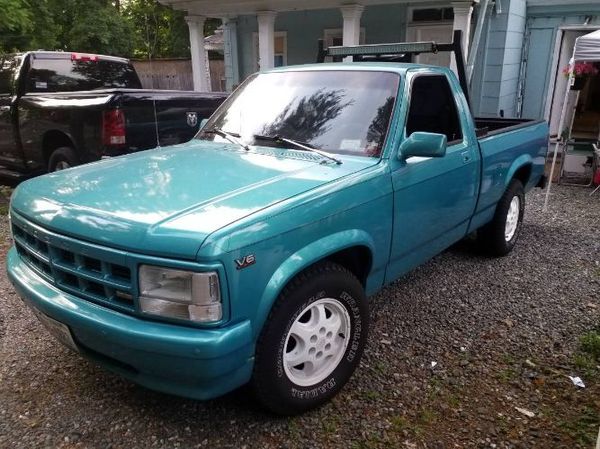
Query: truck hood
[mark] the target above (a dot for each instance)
(165, 202)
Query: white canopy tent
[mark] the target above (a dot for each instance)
(587, 48)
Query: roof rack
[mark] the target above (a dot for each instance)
(400, 52)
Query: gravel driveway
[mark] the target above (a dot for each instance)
(504, 333)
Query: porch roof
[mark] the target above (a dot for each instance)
(231, 8)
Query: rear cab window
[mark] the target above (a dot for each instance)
(70, 73)
(433, 108)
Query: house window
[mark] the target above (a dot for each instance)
(280, 45)
(433, 15)
(280, 50)
(335, 37)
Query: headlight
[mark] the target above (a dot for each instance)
(180, 294)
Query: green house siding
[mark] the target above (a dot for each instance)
(513, 67)
(543, 24)
(384, 23)
(502, 61)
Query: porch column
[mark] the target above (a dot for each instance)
(230, 53)
(462, 21)
(351, 15)
(199, 58)
(266, 39)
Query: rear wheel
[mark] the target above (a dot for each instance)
(499, 236)
(62, 158)
(312, 341)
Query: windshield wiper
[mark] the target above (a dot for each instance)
(302, 145)
(232, 137)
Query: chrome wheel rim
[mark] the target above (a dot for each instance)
(316, 342)
(62, 165)
(512, 219)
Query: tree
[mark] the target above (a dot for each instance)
(15, 21)
(139, 28)
(100, 30)
(160, 31)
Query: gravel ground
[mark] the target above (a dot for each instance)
(504, 333)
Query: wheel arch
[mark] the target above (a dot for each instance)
(520, 169)
(353, 249)
(54, 139)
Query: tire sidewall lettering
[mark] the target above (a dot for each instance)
(314, 391)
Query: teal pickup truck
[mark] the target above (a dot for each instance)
(247, 254)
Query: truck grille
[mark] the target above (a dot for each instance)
(74, 268)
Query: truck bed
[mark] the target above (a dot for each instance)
(488, 126)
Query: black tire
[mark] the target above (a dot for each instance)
(62, 158)
(491, 237)
(271, 383)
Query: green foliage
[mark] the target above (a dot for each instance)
(15, 20)
(103, 30)
(138, 28)
(590, 344)
(159, 32)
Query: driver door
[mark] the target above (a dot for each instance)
(434, 198)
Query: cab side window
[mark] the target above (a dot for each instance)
(433, 109)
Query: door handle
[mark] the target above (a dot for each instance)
(466, 157)
(4, 108)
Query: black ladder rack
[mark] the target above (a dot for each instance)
(400, 52)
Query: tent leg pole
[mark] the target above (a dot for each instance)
(551, 176)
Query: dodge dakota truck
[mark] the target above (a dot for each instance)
(60, 109)
(247, 254)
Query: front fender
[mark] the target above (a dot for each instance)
(302, 259)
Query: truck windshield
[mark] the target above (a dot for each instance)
(66, 75)
(344, 112)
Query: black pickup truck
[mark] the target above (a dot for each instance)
(60, 109)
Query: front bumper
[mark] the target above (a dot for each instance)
(190, 362)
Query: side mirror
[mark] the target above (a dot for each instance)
(423, 144)
(202, 123)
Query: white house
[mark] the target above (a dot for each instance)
(516, 48)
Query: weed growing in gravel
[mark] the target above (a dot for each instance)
(590, 344)
(584, 428)
(372, 395)
(588, 356)
(507, 375)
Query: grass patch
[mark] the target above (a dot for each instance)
(372, 395)
(584, 427)
(453, 401)
(507, 375)
(416, 428)
(587, 358)
(399, 423)
(509, 359)
(590, 344)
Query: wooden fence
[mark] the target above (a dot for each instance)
(176, 74)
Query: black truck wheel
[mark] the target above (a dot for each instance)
(312, 341)
(500, 235)
(62, 158)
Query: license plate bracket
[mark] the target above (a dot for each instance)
(57, 329)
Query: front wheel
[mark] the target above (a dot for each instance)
(500, 235)
(312, 341)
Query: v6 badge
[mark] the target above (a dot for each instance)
(245, 261)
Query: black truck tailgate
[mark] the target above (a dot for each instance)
(170, 117)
